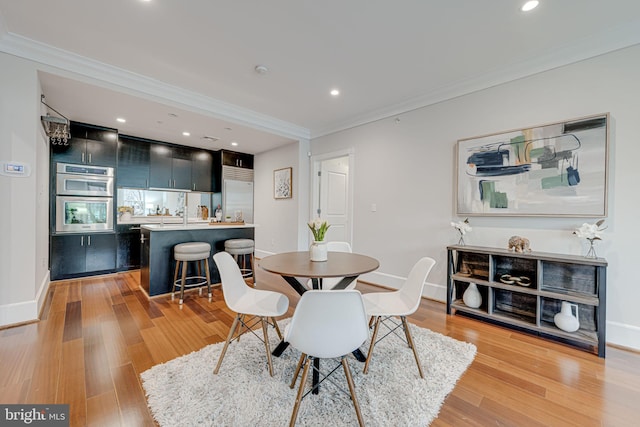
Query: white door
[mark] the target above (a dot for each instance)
(332, 198)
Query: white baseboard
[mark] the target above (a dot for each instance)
(25, 311)
(623, 335)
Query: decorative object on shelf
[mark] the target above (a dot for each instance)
(536, 171)
(282, 184)
(517, 280)
(472, 297)
(566, 320)
(463, 227)
(318, 249)
(519, 244)
(591, 232)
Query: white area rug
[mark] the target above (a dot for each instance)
(184, 391)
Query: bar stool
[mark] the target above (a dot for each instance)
(191, 251)
(242, 248)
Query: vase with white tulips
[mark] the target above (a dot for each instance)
(318, 249)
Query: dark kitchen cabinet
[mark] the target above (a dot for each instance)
(133, 162)
(128, 253)
(75, 255)
(239, 160)
(202, 171)
(170, 167)
(88, 145)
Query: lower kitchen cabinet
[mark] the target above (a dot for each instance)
(75, 255)
(128, 255)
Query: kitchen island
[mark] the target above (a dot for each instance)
(157, 264)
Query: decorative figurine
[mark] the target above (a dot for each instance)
(519, 244)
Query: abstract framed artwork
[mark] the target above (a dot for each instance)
(282, 184)
(558, 169)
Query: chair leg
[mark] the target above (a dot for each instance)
(294, 415)
(253, 270)
(297, 372)
(405, 325)
(352, 389)
(275, 325)
(175, 278)
(373, 342)
(266, 343)
(184, 280)
(234, 326)
(199, 273)
(206, 273)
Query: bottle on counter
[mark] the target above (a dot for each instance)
(157, 209)
(218, 214)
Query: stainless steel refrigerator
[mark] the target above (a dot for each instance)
(237, 196)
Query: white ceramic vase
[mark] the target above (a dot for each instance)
(566, 319)
(472, 297)
(318, 251)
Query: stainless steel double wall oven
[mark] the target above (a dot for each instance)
(84, 198)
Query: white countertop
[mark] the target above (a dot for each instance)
(193, 226)
(160, 219)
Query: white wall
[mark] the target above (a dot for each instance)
(23, 217)
(407, 169)
(279, 222)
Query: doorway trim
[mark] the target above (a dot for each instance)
(315, 161)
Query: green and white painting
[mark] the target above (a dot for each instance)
(558, 169)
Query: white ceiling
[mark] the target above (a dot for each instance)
(196, 59)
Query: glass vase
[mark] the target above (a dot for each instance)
(591, 253)
(461, 240)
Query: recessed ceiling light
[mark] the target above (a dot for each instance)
(235, 144)
(261, 69)
(185, 133)
(121, 120)
(172, 115)
(530, 5)
(211, 138)
(335, 92)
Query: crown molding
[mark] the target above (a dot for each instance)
(599, 44)
(133, 83)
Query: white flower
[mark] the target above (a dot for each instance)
(590, 231)
(462, 226)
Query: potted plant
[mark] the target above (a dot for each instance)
(318, 249)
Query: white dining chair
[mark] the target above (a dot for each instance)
(262, 306)
(327, 325)
(330, 282)
(385, 307)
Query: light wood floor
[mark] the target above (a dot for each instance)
(97, 335)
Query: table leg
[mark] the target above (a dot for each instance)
(280, 348)
(344, 282)
(316, 376)
(295, 284)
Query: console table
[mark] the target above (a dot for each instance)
(529, 303)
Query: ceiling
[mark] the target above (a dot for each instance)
(169, 66)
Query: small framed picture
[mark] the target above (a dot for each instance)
(282, 184)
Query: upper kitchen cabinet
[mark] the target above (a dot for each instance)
(170, 167)
(240, 160)
(202, 178)
(89, 145)
(133, 162)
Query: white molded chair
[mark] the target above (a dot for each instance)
(331, 282)
(245, 300)
(327, 325)
(384, 306)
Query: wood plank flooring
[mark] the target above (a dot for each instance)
(97, 335)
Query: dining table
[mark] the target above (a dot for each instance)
(293, 266)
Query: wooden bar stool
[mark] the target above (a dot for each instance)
(191, 251)
(241, 249)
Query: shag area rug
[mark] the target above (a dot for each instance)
(185, 392)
